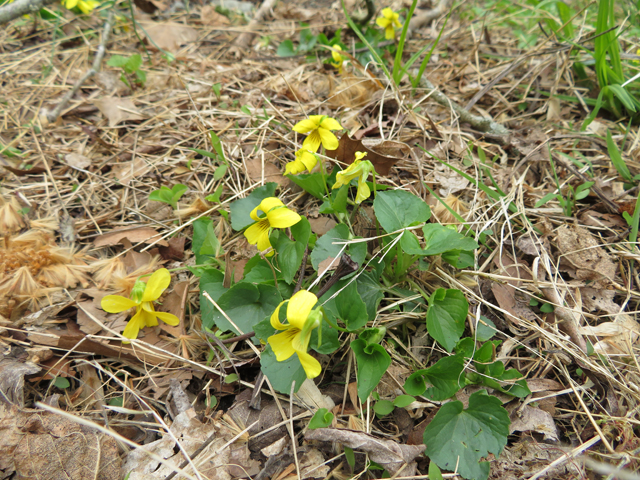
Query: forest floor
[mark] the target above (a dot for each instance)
(555, 280)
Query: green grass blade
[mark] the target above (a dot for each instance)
(397, 62)
(364, 40)
(425, 61)
(616, 159)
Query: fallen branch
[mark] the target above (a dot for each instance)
(244, 40)
(422, 18)
(53, 115)
(483, 124)
(21, 7)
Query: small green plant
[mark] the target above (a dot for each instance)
(167, 195)
(385, 407)
(569, 197)
(131, 74)
(615, 95)
(307, 41)
(398, 70)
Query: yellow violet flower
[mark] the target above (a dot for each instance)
(361, 169)
(389, 21)
(276, 215)
(297, 332)
(86, 6)
(305, 160)
(338, 59)
(142, 297)
(319, 129)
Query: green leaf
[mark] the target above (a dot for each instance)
(458, 439)
(246, 305)
(439, 239)
(133, 63)
(117, 61)
(205, 243)
(402, 401)
(286, 49)
(396, 209)
(210, 282)
(444, 376)
(337, 202)
(434, 472)
(241, 209)
(347, 305)
(383, 407)
(220, 172)
(290, 253)
(582, 191)
(325, 246)
(350, 456)
(545, 199)
(330, 339)
(616, 158)
(313, 183)
(547, 308)
(446, 317)
(459, 258)
(321, 419)
(164, 194)
(217, 146)
(370, 292)
(282, 374)
(231, 378)
(141, 76)
(263, 329)
(373, 360)
(485, 329)
(61, 382)
(215, 196)
(177, 191)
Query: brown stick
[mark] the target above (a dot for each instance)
(21, 7)
(244, 40)
(53, 115)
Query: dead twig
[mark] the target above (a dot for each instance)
(21, 7)
(53, 115)
(244, 40)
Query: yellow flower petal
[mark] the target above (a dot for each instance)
(257, 231)
(264, 244)
(70, 3)
(275, 319)
(330, 124)
(336, 55)
(281, 343)
(305, 126)
(168, 318)
(389, 33)
(307, 158)
(363, 190)
(312, 142)
(294, 168)
(282, 217)
(299, 307)
(311, 366)
(382, 22)
(116, 304)
(158, 283)
(135, 324)
(270, 203)
(328, 139)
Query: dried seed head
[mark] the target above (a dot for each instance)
(444, 215)
(10, 219)
(197, 206)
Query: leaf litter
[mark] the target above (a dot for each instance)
(114, 145)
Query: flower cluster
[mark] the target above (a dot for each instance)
(318, 128)
(142, 297)
(85, 6)
(295, 336)
(389, 21)
(360, 169)
(275, 215)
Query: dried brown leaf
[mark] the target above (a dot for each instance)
(118, 109)
(169, 36)
(134, 235)
(13, 369)
(387, 453)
